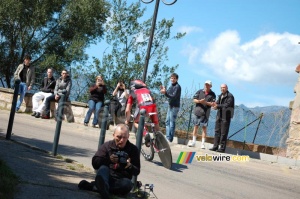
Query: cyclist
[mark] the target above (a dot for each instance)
(140, 95)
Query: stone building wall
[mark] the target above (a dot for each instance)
(293, 141)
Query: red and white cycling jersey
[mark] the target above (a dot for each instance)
(142, 96)
(145, 101)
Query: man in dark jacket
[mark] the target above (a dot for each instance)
(116, 161)
(47, 90)
(63, 86)
(173, 93)
(225, 107)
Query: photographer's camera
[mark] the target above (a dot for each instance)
(122, 156)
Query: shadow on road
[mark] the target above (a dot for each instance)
(175, 167)
(45, 145)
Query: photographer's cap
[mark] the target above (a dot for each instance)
(208, 82)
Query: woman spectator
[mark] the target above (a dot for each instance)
(118, 104)
(96, 100)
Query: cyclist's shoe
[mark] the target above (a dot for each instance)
(147, 140)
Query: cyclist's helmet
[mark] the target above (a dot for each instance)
(137, 84)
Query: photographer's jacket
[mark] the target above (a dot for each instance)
(102, 157)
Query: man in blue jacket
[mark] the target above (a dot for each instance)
(173, 94)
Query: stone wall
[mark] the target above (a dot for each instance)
(293, 141)
(73, 111)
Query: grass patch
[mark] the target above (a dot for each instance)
(8, 181)
(81, 166)
(71, 167)
(60, 157)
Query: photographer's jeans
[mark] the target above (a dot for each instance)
(93, 106)
(170, 122)
(120, 186)
(22, 91)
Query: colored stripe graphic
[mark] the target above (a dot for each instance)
(182, 157)
(179, 157)
(185, 157)
(190, 158)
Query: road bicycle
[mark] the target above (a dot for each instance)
(155, 142)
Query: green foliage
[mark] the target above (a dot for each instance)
(127, 41)
(54, 32)
(8, 181)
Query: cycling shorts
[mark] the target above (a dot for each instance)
(149, 109)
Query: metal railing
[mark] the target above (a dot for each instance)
(257, 126)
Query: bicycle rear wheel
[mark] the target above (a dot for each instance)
(147, 151)
(164, 150)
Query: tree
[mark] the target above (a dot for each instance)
(127, 40)
(54, 32)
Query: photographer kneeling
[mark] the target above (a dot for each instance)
(116, 161)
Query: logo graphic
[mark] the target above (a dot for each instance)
(185, 157)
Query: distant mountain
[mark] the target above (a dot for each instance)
(246, 125)
(268, 109)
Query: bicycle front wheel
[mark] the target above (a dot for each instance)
(147, 150)
(164, 150)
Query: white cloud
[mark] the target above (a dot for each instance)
(270, 58)
(192, 53)
(189, 29)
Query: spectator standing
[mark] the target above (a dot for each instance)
(47, 89)
(203, 100)
(26, 73)
(173, 94)
(225, 107)
(96, 100)
(63, 86)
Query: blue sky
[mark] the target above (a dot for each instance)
(251, 45)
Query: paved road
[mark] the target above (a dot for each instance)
(254, 179)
